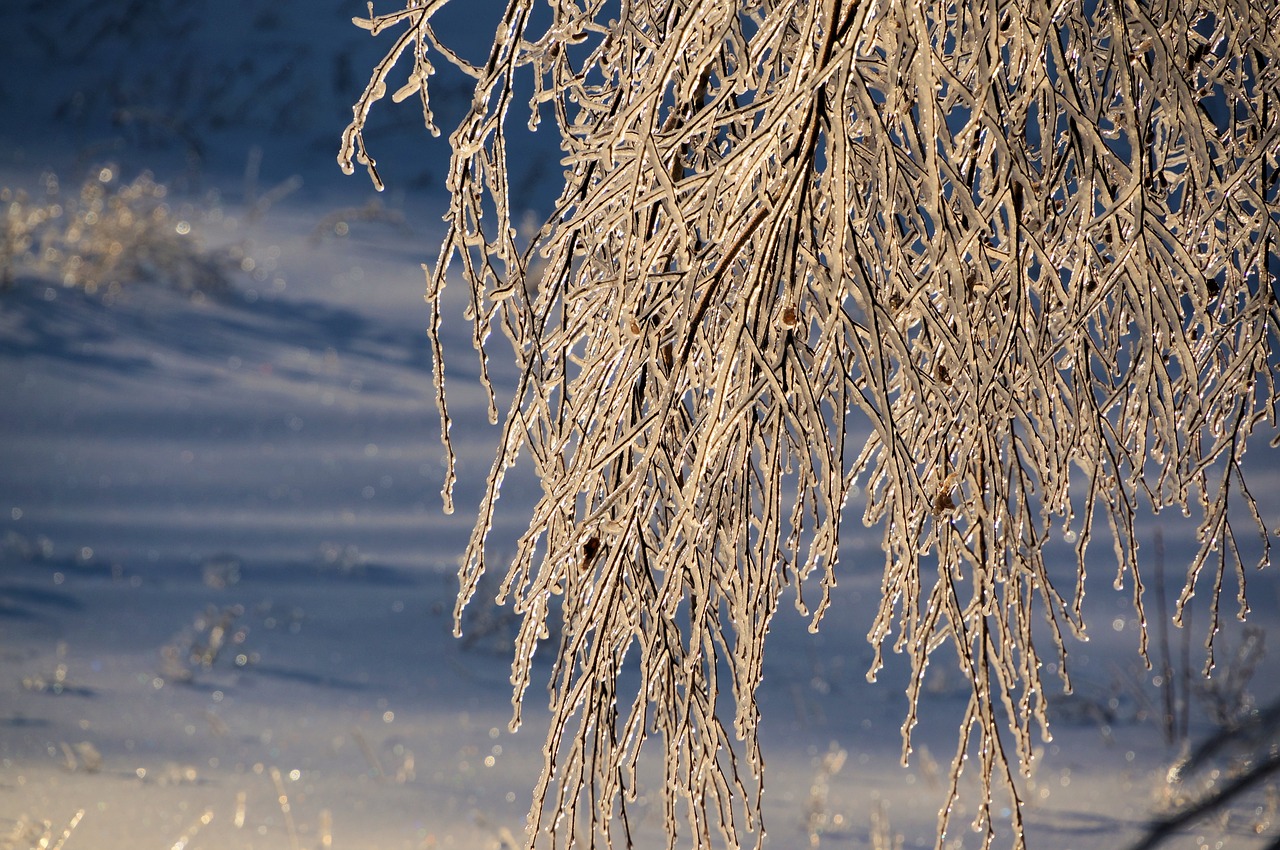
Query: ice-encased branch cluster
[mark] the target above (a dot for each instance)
(1033, 244)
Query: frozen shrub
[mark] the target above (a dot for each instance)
(108, 235)
(1032, 246)
(22, 219)
(1232, 768)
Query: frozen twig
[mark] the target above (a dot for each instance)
(1032, 245)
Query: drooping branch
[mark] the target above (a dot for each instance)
(1031, 245)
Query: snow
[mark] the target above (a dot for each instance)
(267, 463)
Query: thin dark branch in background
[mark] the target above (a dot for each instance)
(1168, 690)
(1230, 791)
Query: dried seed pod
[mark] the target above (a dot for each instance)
(668, 358)
(589, 551)
(942, 501)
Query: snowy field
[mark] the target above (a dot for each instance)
(226, 584)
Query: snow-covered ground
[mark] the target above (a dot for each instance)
(226, 585)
